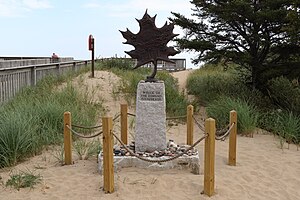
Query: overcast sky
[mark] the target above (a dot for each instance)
(41, 27)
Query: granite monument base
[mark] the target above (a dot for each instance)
(185, 162)
(150, 128)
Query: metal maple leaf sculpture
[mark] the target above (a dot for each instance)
(150, 43)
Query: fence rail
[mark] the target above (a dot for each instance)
(13, 79)
(178, 64)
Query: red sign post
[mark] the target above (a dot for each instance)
(91, 44)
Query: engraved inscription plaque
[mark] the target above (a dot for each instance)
(151, 95)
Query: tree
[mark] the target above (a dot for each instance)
(261, 36)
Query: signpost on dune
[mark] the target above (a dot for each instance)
(91, 43)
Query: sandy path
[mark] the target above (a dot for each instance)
(182, 77)
(263, 171)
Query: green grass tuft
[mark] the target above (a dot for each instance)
(23, 179)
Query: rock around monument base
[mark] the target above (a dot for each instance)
(185, 162)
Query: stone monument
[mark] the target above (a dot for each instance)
(150, 137)
(150, 46)
(150, 128)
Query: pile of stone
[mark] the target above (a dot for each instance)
(172, 149)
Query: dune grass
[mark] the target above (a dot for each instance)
(34, 118)
(247, 115)
(221, 90)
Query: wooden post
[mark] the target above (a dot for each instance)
(67, 138)
(189, 125)
(232, 139)
(58, 69)
(33, 76)
(74, 67)
(108, 158)
(209, 157)
(93, 63)
(124, 123)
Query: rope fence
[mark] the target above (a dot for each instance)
(223, 137)
(130, 114)
(198, 124)
(87, 127)
(81, 135)
(116, 117)
(209, 136)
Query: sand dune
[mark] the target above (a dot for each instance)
(263, 170)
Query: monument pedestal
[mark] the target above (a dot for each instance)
(150, 128)
(150, 134)
(184, 162)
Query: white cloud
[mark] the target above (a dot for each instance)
(130, 7)
(160, 5)
(92, 5)
(36, 4)
(18, 8)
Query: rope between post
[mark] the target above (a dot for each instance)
(81, 135)
(130, 114)
(198, 124)
(87, 127)
(159, 161)
(223, 137)
(116, 117)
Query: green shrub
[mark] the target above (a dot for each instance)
(208, 85)
(285, 94)
(246, 114)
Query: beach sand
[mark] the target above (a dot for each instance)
(263, 170)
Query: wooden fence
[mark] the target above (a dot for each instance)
(8, 62)
(108, 143)
(13, 79)
(178, 65)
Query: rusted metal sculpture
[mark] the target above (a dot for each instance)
(150, 43)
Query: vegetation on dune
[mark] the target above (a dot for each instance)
(285, 93)
(34, 118)
(259, 41)
(23, 179)
(261, 37)
(210, 82)
(222, 91)
(247, 115)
